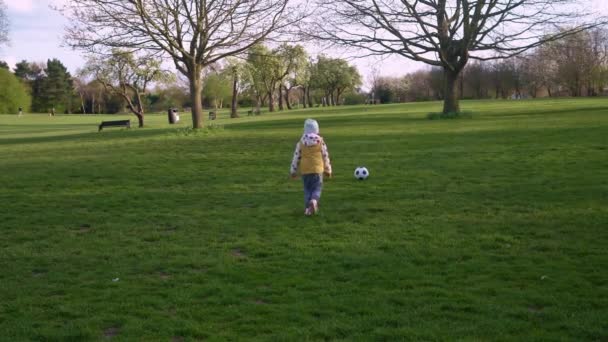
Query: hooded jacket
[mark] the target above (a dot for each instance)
(311, 155)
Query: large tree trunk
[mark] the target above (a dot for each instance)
(270, 101)
(83, 107)
(308, 97)
(287, 90)
(258, 103)
(450, 102)
(140, 109)
(196, 88)
(281, 97)
(233, 107)
(461, 86)
(304, 99)
(338, 95)
(140, 119)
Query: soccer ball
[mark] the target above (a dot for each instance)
(361, 173)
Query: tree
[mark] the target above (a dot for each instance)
(334, 76)
(127, 76)
(170, 95)
(264, 68)
(580, 62)
(51, 84)
(32, 76)
(13, 94)
(293, 60)
(3, 24)
(238, 73)
(28, 71)
(217, 88)
(448, 33)
(475, 80)
(194, 33)
(4, 65)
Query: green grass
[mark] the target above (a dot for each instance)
(488, 228)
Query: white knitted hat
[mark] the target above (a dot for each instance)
(311, 126)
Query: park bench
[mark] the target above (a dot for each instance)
(253, 112)
(117, 123)
(212, 115)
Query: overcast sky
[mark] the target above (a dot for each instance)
(36, 35)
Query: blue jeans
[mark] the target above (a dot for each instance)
(313, 184)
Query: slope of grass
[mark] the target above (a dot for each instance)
(490, 228)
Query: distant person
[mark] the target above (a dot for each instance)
(52, 113)
(20, 111)
(311, 159)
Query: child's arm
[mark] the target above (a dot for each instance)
(297, 155)
(326, 162)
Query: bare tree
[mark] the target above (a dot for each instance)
(126, 76)
(448, 33)
(194, 33)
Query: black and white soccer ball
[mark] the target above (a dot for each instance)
(361, 173)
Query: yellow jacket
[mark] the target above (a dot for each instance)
(311, 156)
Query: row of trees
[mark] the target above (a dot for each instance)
(447, 34)
(285, 75)
(37, 86)
(576, 65)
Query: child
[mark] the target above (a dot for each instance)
(312, 160)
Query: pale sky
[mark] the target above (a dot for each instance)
(36, 35)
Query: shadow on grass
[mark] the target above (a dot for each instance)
(545, 112)
(85, 136)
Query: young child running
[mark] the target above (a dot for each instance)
(312, 160)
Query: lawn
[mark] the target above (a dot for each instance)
(488, 228)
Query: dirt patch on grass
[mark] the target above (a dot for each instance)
(85, 228)
(111, 332)
(238, 253)
(39, 273)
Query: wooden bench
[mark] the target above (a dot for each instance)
(212, 115)
(117, 123)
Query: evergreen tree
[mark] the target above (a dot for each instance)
(23, 70)
(54, 90)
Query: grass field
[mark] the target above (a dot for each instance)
(489, 228)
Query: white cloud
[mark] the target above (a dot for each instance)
(20, 5)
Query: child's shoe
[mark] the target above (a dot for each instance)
(313, 207)
(307, 212)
